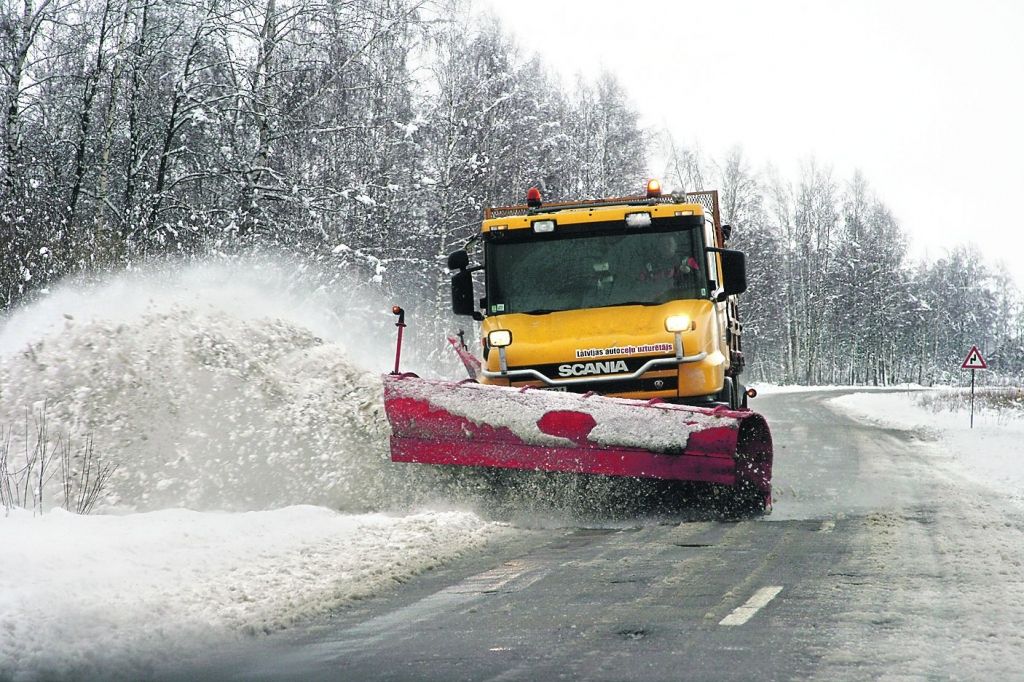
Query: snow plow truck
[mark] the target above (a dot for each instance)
(611, 345)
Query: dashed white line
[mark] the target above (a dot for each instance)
(490, 581)
(509, 577)
(741, 614)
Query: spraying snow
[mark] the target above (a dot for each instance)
(211, 390)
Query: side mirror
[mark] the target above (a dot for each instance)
(734, 271)
(462, 294)
(458, 260)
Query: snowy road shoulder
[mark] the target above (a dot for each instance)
(989, 454)
(776, 389)
(86, 595)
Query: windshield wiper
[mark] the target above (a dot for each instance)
(612, 305)
(545, 311)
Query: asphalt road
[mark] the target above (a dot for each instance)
(875, 563)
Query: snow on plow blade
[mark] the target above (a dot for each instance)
(471, 424)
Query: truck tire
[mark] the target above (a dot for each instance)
(733, 394)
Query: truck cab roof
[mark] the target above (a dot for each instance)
(523, 217)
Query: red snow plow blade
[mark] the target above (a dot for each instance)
(476, 425)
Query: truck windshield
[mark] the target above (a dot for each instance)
(592, 270)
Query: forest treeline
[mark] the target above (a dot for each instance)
(834, 297)
(369, 135)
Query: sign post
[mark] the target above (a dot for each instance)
(973, 362)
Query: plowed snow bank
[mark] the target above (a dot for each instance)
(87, 597)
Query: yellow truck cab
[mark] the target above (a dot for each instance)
(631, 297)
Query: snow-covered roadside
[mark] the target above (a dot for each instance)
(94, 596)
(989, 454)
(211, 388)
(772, 389)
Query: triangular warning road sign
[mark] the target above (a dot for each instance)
(974, 360)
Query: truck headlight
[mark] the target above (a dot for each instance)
(500, 338)
(677, 323)
(543, 225)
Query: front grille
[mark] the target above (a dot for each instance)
(642, 385)
(551, 370)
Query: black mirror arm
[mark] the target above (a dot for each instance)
(474, 268)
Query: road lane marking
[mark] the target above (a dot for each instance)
(741, 614)
(403, 623)
(511, 576)
(827, 526)
(491, 581)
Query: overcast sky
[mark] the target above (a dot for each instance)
(925, 97)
